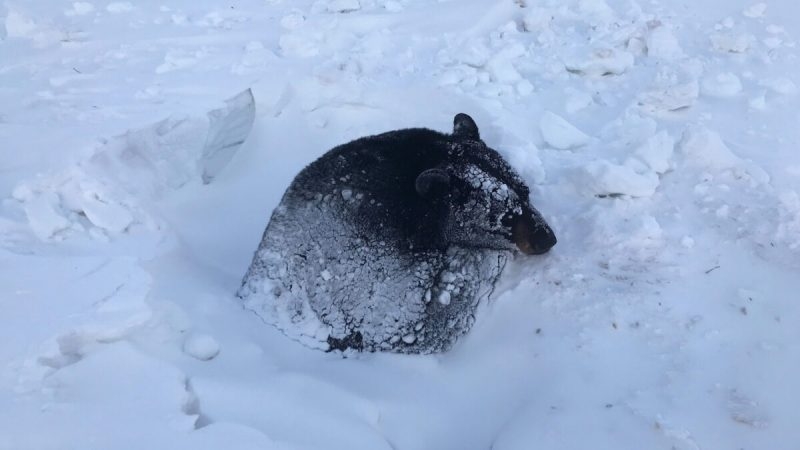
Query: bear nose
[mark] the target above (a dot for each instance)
(541, 241)
(533, 237)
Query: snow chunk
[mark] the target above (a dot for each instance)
(597, 10)
(755, 11)
(537, 19)
(298, 44)
(722, 85)
(731, 43)
(606, 179)
(672, 99)
(657, 152)
(601, 62)
(577, 100)
(119, 7)
(343, 6)
(75, 198)
(178, 59)
(789, 226)
(201, 346)
(649, 231)
(81, 8)
(746, 411)
(706, 148)
(19, 25)
(45, 216)
(780, 85)
(293, 21)
(524, 87)
(758, 102)
(102, 211)
(393, 6)
(662, 44)
(560, 134)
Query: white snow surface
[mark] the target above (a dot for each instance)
(666, 317)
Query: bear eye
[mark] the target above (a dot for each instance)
(507, 220)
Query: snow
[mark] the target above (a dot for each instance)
(144, 145)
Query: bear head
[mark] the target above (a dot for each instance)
(478, 199)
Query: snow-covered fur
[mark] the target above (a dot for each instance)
(391, 241)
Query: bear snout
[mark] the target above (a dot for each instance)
(532, 235)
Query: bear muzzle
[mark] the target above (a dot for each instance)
(532, 235)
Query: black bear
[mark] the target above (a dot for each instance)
(389, 242)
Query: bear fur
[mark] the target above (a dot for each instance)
(390, 242)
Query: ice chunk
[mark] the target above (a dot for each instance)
(560, 134)
(227, 129)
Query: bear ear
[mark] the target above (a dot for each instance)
(432, 183)
(464, 126)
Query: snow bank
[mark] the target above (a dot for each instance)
(104, 194)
